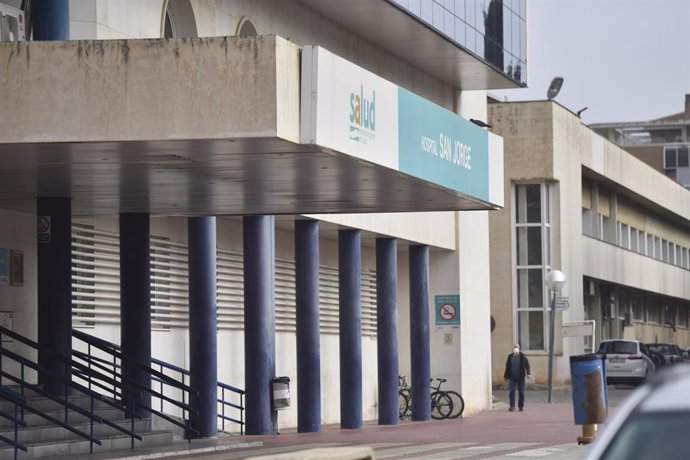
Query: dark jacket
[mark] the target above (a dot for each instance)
(524, 366)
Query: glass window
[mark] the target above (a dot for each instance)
(530, 288)
(460, 27)
(529, 245)
(427, 11)
(437, 15)
(448, 24)
(416, 7)
(683, 317)
(531, 330)
(532, 243)
(653, 312)
(682, 157)
(637, 309)
(670, 158)
(625, 236)
(460, 9)
(470, 12)
(529, 203)
(642, 246)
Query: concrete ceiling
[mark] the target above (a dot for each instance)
(211, 177)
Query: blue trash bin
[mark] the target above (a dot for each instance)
(588, 376)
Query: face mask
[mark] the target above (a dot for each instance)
(516, 350)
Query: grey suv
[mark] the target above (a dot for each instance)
(627, 361)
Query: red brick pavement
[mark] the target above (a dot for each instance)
(550, 424)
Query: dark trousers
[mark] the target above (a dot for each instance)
(520, 384)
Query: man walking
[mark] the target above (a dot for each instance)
(517, 368)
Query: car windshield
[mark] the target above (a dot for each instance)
(654, 436)
(663, 349)
(618, 347)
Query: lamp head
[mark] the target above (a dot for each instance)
(554, 87)
(555, 280)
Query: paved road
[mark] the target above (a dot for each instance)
(543, 431)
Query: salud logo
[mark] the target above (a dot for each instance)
(362, 116)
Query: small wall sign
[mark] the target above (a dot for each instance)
(447, 310)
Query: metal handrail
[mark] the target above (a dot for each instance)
(162, 378)
(17, 399)
(67, 383)
(65, 403)
(116, 352)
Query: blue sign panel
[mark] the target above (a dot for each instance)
(442, 147)
(447, 310)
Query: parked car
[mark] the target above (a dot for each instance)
(627, 361)
(686, 354)
(668, 351)
(651, 423)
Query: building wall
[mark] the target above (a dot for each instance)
(460, 245)
(545, 142)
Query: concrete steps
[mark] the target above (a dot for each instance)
(44, 438)
(81, 446)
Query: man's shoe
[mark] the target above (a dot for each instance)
(512, 409)
(521, 409)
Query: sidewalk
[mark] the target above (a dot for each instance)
(543, 431)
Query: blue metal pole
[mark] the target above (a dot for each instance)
(387, 328)
(54, 279)
(349, 289)
(259, 322)
(135, 299)
(203, 347)
(419, 332)
(50, 19)
(308, 347)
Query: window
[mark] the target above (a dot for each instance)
(650, 245)
(532, 247)
(653, 311)
(637, 309)
(683, 317)
(634, 246)
(624, 237)
(676, 164)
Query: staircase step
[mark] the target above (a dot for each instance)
(47, 404)
(57, 433)
(81, 446)
(34, 420)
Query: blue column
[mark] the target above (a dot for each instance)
(135, 299)
(308, 347)
(419, 332)
(349, 290)
(203, 348)
(259, 322)
(50, 19)
(387, 328)
(54, 272)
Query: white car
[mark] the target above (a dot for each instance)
(652, 423)
(627, 361)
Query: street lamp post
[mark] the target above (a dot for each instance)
(555, 281)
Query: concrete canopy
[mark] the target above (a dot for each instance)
(205, 126)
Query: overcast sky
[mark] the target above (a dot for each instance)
(627, 60)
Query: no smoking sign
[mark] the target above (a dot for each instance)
(447, 310)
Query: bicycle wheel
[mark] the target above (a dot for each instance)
(458, 404)
(441, 405)
(403, 403)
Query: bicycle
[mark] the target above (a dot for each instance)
(458, 401)
(441, 402)
(404, 397)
